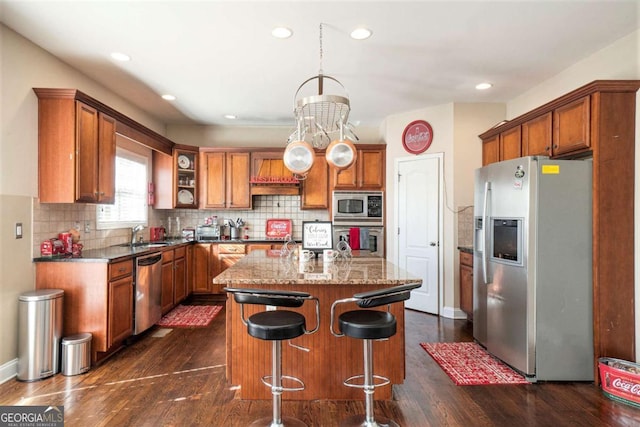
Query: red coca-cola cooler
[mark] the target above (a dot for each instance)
(620, 380)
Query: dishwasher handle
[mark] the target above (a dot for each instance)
(148, 260)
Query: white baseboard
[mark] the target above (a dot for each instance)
(453, 313)
(8, 370)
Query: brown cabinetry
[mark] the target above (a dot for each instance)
(98, 299)
(315, 188)
(176, 178)
(174, 278)
(269, 175)
(227, 255)
(166, 299)
(202, 265)
(466, 283)
(571, 127)
(76, 149)
(120, 303)
(536, 136)
(225, 180)
(510, 146)
(491, 150)
(368, 171)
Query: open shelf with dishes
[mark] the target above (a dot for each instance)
(185, 178)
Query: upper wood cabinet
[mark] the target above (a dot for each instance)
(176, 179)
(368, 171)
(510, 147)
(225, 180)
(491, 150)
(269, 175)
(536, 136)
(315, 188)
(76, 150)
(561, 131)
(571, 127)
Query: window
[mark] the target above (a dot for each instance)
(130, 207)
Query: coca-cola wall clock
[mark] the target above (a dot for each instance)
(417, 137)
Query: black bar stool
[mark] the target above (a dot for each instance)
(276, 326)
(369, 325)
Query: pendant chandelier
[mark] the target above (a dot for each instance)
(321, 122)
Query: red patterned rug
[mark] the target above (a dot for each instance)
(188, 316)
(467, 363)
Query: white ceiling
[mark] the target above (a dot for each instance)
(218, 57)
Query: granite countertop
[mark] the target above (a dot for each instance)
(260, 268)
(121, 252)
(467, 249)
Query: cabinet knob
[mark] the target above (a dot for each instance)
(547, 148)
(555, 146)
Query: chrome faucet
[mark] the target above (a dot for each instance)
(134, 233)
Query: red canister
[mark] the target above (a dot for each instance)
(67, 242)
(46, 248)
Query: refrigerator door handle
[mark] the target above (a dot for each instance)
(485, 225)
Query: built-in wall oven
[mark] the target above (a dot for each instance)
(369, 241)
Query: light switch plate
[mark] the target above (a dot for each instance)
(18, 230)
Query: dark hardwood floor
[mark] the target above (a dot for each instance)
(179, 380)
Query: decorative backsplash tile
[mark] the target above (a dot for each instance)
(465, 226)
(49, 219)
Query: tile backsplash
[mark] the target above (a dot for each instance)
(49, 219)
(465, 226)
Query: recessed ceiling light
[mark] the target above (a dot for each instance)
(230, 116)
(483, 86)
(281, 32)
(169, 97)
(361, 33)
(119, 56)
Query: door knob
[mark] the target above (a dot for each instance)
(432, 244)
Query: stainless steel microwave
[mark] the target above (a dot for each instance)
(358, 208)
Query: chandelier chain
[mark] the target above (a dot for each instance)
(321, 52)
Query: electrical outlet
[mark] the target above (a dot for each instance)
(87, 227)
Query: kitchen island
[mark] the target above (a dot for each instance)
(331, 359)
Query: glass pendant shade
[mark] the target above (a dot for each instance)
(341, 153)
(298, 157)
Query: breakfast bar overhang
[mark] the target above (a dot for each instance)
(330, 360)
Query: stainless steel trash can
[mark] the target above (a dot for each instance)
(39, 333)
(76, 354)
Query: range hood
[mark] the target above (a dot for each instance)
(270, 176)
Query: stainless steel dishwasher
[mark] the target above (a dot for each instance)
(148, 292)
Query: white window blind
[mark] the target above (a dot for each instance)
(130, 207)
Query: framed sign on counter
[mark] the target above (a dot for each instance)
(317, 235)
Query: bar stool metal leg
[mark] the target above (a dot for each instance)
(368, 420)
(276, 391)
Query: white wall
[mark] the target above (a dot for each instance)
(243, 136)
(455, 134)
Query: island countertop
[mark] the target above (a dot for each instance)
(260, 267)
(331, 359)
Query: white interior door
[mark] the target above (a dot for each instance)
(418, 222)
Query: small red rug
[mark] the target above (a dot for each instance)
(467, 363)
(188, 316)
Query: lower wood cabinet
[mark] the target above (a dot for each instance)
(202, 266)
(174, 278)
(98, 299)
(466, 284)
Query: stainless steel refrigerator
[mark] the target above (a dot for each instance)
(532, 284)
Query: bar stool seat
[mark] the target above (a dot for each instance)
(369, 325)
(276, 326)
